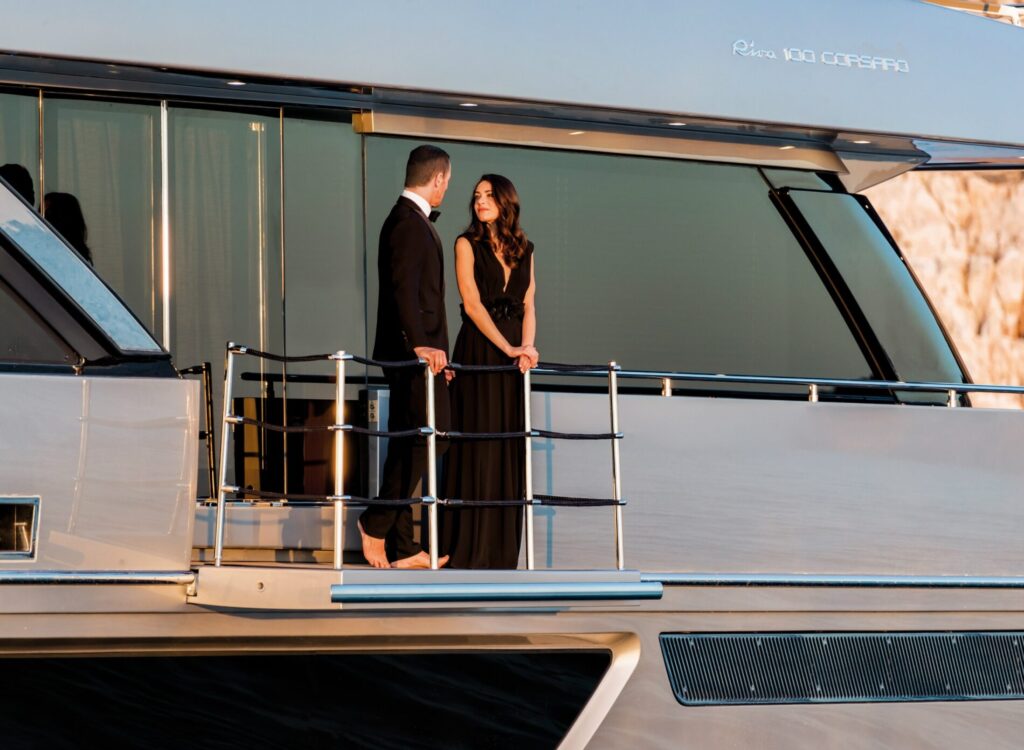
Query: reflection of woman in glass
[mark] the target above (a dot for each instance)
(65, 215)
(494, 268)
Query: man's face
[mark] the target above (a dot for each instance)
(440, 185)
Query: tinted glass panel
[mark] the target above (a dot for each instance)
(658, 264)
(25, 338)
(67, 269)
(106, 155)
(883, 287)
(326, 294)
(19, 135)
(226, 261)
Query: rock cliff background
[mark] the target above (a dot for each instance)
(963, 234)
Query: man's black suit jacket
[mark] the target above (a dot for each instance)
(410, 267)
(410, 312)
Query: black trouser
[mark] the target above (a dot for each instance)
(406, 462)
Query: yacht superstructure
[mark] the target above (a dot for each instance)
(802, 534)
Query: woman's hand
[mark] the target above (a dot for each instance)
(526, 357)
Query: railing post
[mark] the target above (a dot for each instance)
(211, 431)
(339, 458)
(613, 395)
(431, 467)
(951, 398)
(528, 465)
(666, 387)
(229, 372)
(812, 393)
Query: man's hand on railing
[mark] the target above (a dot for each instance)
(436, 359)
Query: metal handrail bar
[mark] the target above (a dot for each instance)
(891, 385)
(834, 580)
(494, 592)
(96, 577)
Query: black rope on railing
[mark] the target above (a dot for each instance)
(557, 366)
(576, 502)
(232, 419)
(454, 502)
(561, 367)
(578, 435)
(280, 357)
(481, 368)
(456, 435)
(383, 363)
(385, 433)
(549, 500)
(349, 500)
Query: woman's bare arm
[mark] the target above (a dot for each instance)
(530, 321)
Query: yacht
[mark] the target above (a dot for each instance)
(791, 529)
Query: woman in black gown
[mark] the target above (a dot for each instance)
(494, 268)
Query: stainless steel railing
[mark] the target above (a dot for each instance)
(813, 385)
(340, 500)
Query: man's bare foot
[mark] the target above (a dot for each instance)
(419, 561)
(373, 548)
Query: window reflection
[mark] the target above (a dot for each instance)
(882, 286)
(70, 272)
(657, 264)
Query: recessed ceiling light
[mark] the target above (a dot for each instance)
(786, 148)
(862, 142)
(677, 124)
(236, 83)
(469, 104)
(577, 132)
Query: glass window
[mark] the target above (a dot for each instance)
(324, 258)
(72, 274)
(107, 156)
(657, 264)
(24, 337)
(19, 527)
(226, 257)
(19, 135)
(882, 285)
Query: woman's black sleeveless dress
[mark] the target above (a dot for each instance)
(487, 537)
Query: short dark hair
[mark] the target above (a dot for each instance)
(425, 162)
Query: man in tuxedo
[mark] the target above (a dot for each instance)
(411, 323)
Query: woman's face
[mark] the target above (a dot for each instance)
(484, 205)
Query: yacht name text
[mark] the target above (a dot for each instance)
(748, 48)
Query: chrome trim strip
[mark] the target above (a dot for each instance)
(413, 593)
(95, 577)
(833, 581)
(165, 227)
(660, 141)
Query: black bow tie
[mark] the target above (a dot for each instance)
(433, 216)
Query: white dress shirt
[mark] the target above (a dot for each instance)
(419, 200)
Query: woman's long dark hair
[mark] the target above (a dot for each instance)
(64, 212)
(509, 235)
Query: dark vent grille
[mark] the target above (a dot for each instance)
(758, 668)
